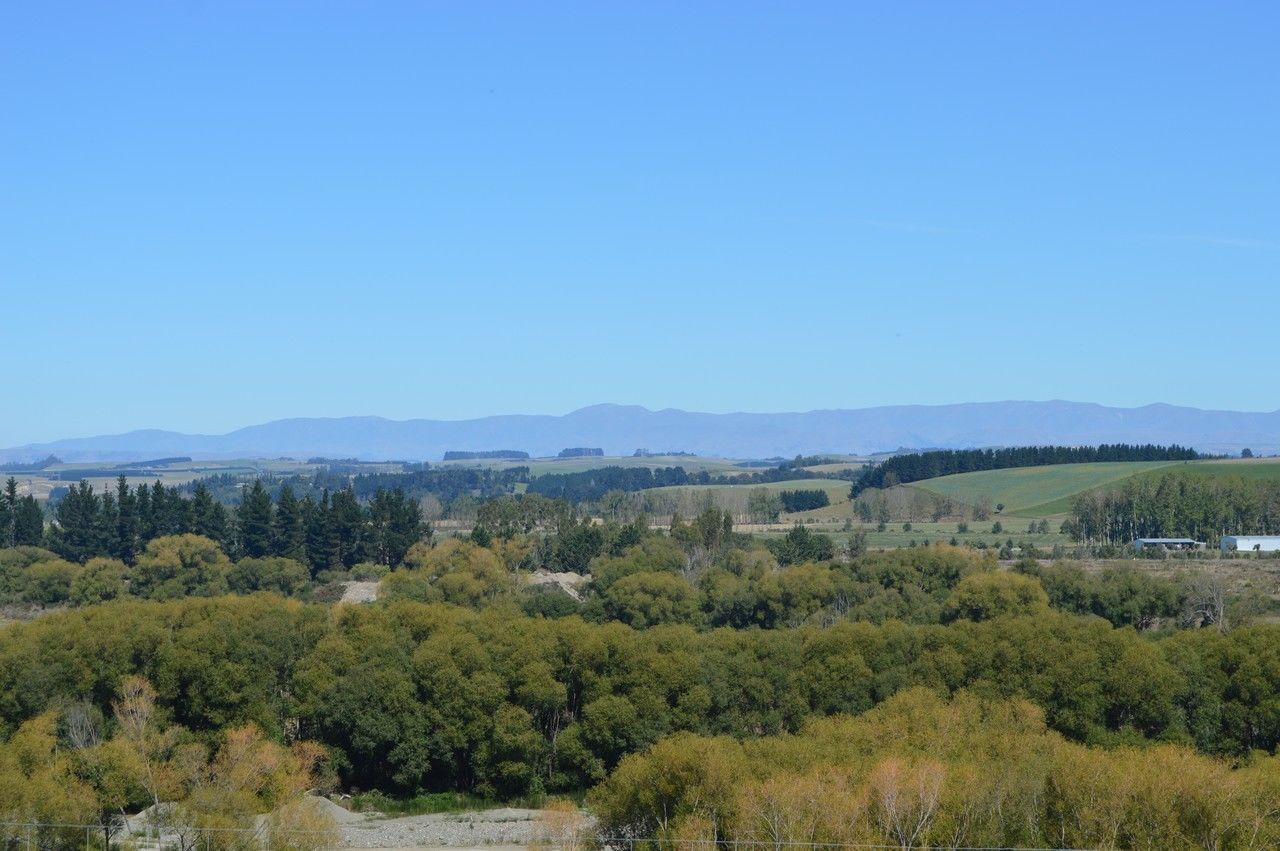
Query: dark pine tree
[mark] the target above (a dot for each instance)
(208, 517)
(108, 519)
(78, 533)
(346, 527)
(125, 541)
(168, 512)
(395, 524)
(253, 520)
(146, 517)
(320, 554)
(8, 508)
(290, 531)
(28, 523)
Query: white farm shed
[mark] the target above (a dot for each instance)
(1141, 544)
(1250, 543)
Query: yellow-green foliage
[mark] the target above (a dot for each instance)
(982, 596)
(180, 566)
(921, 771)
(1036, 491)
(59, 769)
(415, 696)
(101, 579)
(456, 571)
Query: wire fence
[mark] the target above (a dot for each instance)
(119, 834)
(633, 844)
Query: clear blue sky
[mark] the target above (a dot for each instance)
(215, 214)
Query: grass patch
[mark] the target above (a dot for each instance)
(1256, 469)
(431, 803)
(1048, 491)
(1037, 491)
(425, 803)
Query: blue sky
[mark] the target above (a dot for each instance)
(216, 214)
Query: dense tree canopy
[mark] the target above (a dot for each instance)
(336, 531)
(717, 684)
(803, 500)
(1177, 505)
(887, 779)
(427, 695)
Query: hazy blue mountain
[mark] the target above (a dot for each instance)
(621, 429)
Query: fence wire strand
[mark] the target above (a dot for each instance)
(33, 836)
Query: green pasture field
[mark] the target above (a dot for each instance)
(1047, 491)
(835, 467)
(1038, 491)
(1248, 468)
(1258, 469)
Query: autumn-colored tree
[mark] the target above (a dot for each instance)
(562, 826)
(248, 775)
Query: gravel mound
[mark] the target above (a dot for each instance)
(359, 592)
(569, 583)
(341, 814)
(507, 826)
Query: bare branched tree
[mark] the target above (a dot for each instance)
(906, 798)
(81, 726)
(1207, 601)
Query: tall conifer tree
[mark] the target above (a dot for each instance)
(290, 538)
(319, 544)
(28, 523)
(8, 511)
(253, 520)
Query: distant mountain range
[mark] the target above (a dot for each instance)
(621, 429)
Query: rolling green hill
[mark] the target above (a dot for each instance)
(1037, 491)
(1048, 491)
(1249, 468)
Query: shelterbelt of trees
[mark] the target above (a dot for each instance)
(918, 466)
(336, 530)
(1176, 505)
